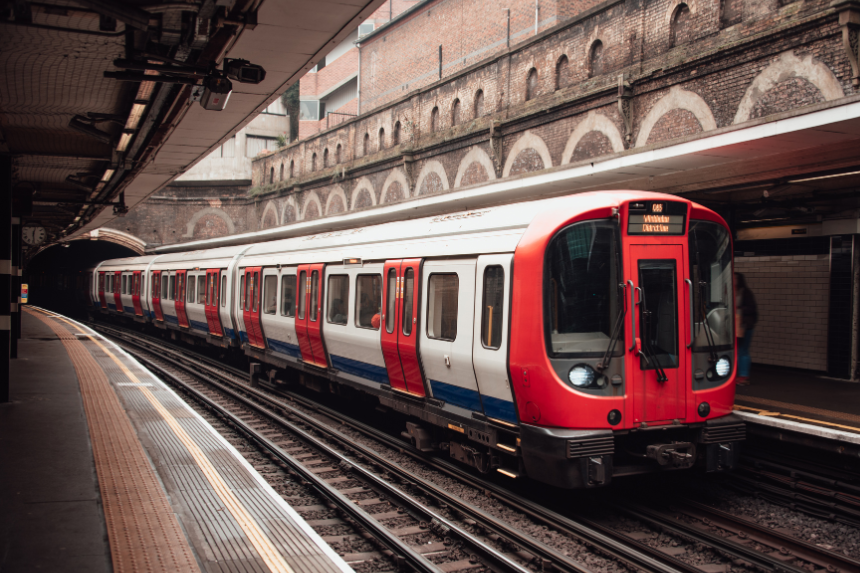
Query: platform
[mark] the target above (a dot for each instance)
(106, 468)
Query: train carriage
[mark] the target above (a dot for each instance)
(570, 339)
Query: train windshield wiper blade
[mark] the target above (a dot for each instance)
(613, 340)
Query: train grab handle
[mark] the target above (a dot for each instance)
(690, 294)
(632, 316)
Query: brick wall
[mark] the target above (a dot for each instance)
(792, 293)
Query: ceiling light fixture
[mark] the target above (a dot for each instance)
(124, 140)
(108, 174)
(825, 177)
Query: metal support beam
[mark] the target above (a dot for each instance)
(5, 271)
(15, 286)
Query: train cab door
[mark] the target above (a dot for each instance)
(401, 325)
(211, 301)
(117, 290)
(179, 299)
(156, 296)
(309, 317)
(101, 287)
(135, 293)
(659, 354)
(251, 310)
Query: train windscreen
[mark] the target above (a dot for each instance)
(711, 274)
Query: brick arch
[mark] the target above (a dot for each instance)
(398, 176)
(432, 166)
(335, 193)
(220, 213)
(312, 198)
(363, 184)
(479, 156)
(270, 208)
(677, 98)
(290, 203)
(593, 122)
(788, 66)
(692, 5)
(528, 140)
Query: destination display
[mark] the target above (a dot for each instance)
(657, 218)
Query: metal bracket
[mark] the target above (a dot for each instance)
(625, 97)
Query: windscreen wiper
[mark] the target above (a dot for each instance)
(650, 357)
(616, 333)
(709, 333)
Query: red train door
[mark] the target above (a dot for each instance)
(309, 319)
(102, 299)
(135, 294)
(660, 356)
(251, 311)
(156, 295)
(179, 299)
(401, 300)
(211, 302)
(117, 290)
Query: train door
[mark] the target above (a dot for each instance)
(401, 325)
(309, 319)
(135, 294)
(447, 339)
(156, 295)
(210, 302)
(490, 345)
(102, 298)
(251, 309)
(117, 290)
(659, 359)
(179, 299)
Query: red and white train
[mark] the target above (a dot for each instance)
(569, 340)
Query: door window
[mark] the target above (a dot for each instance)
(658, 314)
(391, 300)
(270, 294)
(368, 301)
(303, 280)
(442, 302)
(408, 289)
(492, 311)
(243, 295)
(255, 292)
(170, 287)
(246, 300)
(192, 283)
(288, 295)
(315, 288)
(123, 287)
(201, 288)
(338, 298)
(223, 289)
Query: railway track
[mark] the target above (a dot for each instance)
(741, 542)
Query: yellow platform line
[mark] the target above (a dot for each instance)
(261, 542)
(810, 420)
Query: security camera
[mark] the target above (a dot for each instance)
(216, 92)
(244, 71)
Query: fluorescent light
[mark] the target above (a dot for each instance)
(134, 116)
(124, 140)
(825, 177)
(108, 174)
(77, 219)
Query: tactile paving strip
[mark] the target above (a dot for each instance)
(143, 532)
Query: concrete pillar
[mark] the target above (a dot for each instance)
(5, 271)
(15, 285)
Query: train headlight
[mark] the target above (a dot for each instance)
(723, 367)
(582, 376)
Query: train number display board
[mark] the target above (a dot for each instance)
(657, 218)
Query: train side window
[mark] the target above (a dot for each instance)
(180, 287)
(406, 311)
(492, 315)
(442, 303)
(255, 290)
(303, 280)
(170, 287)
(192, 283)
(201, 289)
(124, 280)
(315, 289)
(368, 301)
(338, 298)
(242, 293)
(391, 300)
(270, 294)
(288, 295)
(223, 290)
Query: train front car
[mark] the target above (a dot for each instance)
(623, 351)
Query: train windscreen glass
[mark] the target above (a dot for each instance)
(711, 274)
(582, 294)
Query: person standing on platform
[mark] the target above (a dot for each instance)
(746, 315)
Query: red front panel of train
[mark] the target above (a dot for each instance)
(102, 299)
(156, 295)
(135, 294)
(117, 290)
(179, 299)
(251, 310)
(213, 319)
(400, 332)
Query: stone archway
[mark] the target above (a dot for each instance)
(435, 171)
(475, 157)
(528, 141)
(692, 5)
(312, 202)
(114, 236)
(270, 210)
(396, 176)
(210, 211)
(681, 99)
(289, 211)
(335, 196)
(788, 66)
(363, 195)
(593, 122)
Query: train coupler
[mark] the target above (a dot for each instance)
(678, 455)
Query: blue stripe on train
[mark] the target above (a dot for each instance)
(229, 332)
(243, 336)
(456, 395)
(201, 326)
(499, 409)
(128, 309)
(360, 369)
(284, 347)
(111, 306)
(171, 319)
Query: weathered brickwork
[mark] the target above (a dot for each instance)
(689, 67)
